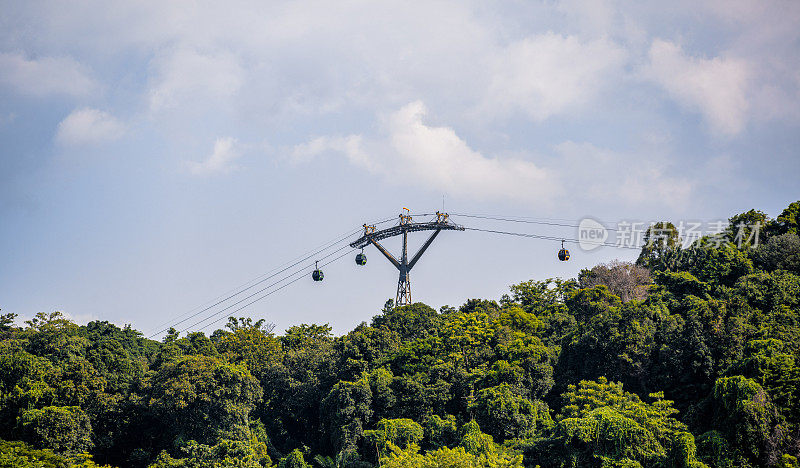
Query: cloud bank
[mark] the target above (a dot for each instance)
(45, 76)
(89, 126)
(551, 74)
(716, 87)
(226, 150)
(435, 158)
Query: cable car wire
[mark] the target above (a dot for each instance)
(514, 220)
(530, 218)
(302, 270)
(279, 281)
(329, 245)
(258, 280)
(274, 290)
(275, 283)
(240, 289)
(553, 238)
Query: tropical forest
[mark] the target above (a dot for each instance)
(688, 356)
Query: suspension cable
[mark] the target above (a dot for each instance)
(273, 291)
(525, 221)
(326, 246)
(553, 238)
(302, 270)
(259, 280)
(242, 289)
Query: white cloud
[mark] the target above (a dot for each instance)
(226, 150)
(582, 174)
(551, 74)
(435, 158)
(351, 146)
(438, 157)
(275, 71)
(280, 61)
(185, 75)
(45, 76)
(592, 174)
(88, 126)
(716, 87)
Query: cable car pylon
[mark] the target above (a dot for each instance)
(404, 265)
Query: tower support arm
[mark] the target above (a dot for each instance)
(385, 252)
(423, 248)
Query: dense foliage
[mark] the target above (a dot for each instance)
(688, 358)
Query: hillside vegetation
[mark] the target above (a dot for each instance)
(687, 358)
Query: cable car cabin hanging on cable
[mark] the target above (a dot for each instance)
(361, 259)
(317, 275)
(563, 254)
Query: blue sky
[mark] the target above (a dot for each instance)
(154, 156)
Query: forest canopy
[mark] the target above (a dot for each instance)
(689, 357)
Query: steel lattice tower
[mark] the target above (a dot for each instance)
(404, 265)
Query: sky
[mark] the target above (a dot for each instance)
(156, 156)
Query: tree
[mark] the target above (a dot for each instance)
(64, 429)
(742, 411)
(588, 303)
(602, 425)
(448, 458)
(627, 280)
(132, 341)
(711, 348)
(661, 241)
(419, 395)
(542, 298)
(361, 349)
(506, 414)
(607, 435)
(780, 252)
(114, 364)
(789, 220)
(24, 384)
(769, 364)
(391, 433)
(248, 343)
(345, 411)
(6, 324)
(383, 397)
(53, 336)
(409, 322)
(202, 398)
(681, 284)
(587, 396)
(482, 446)
(440, 432)
(22, 455)
(246, 323)
(296, 386)
(747, 229)
(717, 263)
(227, 453)
(546, 301)
(295, 459)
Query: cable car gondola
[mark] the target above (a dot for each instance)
(563, 254)
(317, 275)
(361, 259)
